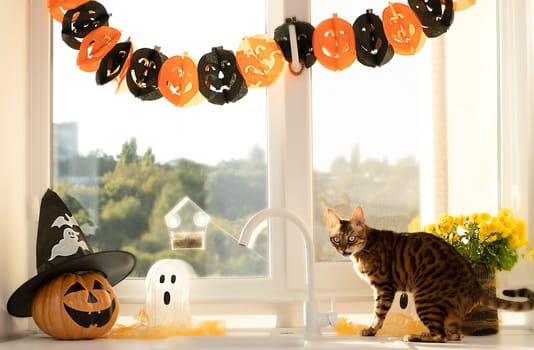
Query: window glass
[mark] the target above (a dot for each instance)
(122, 164)
(368, 134)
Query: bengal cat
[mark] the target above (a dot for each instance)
(441, 280)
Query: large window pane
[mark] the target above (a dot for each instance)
(368, 134)
(122, 163)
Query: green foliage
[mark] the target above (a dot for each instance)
(127, 205)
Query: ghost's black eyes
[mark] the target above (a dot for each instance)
(161, 278)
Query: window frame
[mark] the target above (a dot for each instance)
(290, 172)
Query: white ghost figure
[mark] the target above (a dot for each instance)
(167, 293)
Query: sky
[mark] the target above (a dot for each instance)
(378, 109)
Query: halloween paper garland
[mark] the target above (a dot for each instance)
(221, 76)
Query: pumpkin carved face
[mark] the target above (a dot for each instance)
(334, 43)
(178, 81)
(73, 306)
(95, 46)
(142, 77)
(372, 46)
(220, 80)
(260, 60)
(403, 29)
(115, 64)
(435, 17)
(79, 22)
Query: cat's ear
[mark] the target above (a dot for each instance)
(332, 219)
(357, 220)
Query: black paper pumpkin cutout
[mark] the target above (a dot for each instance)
(79, 22)
(304, 32)
(435, 17)
(220, 80)
(142, 77)
(372, 46)
(114, 62)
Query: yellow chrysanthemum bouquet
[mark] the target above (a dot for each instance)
(484, 239)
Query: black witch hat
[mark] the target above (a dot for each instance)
(62, 248)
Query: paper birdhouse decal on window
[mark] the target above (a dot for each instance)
(187, 224)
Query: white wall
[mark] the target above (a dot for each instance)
(14, 141)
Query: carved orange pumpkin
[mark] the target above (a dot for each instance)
(334, 43)
(95, 46)
(57, 8)
(178, 81)
(76, 306)
(260, 60)
(403, 29)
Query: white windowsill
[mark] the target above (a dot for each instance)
(507, 339)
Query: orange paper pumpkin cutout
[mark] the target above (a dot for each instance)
(95, 46)
(178, 81)
(334, 43)
(403, 29)
(57, 8)
(260, 60)
(462, 4)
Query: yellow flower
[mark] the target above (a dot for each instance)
(505, 214)
(460, 221)
(475, 218)
(430, 228)
(532, 253)
(483, 217)
(445, 224)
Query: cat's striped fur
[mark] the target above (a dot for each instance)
(441, 280)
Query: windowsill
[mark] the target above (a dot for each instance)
(506, 339)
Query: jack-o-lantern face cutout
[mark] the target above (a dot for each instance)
(304, 32)
(73, 306)
(178, 81)
(334, 43)
(260, 60)
(435, 17)
(57, 8)
(372, 46)
(95, 46)
(403, 29)
(115, 64)
(82, 20)
(142, 77)
(219, 78)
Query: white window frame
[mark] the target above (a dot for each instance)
(290, 171)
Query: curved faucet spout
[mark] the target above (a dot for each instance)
(247, 238)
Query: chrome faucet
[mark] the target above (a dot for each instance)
(314, 319)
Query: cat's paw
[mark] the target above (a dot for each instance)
(425, 338)
(368, 332)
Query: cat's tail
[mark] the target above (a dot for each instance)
(511, 305)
